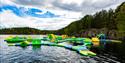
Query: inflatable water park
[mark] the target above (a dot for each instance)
(78, 44)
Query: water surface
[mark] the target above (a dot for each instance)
(44, 54)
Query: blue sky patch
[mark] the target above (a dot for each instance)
(20, 11)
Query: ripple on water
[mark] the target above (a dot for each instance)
(42, 54)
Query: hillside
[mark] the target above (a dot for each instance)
(23, 30)
(109, 22)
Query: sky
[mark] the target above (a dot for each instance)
(49, 14)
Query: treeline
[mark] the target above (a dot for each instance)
(108, 21)
(102, 19)
(24, 30)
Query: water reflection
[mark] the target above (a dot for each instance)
(36, 48)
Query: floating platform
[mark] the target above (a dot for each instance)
(81, 45)
(80, 49)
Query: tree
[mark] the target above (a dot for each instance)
(120, 17)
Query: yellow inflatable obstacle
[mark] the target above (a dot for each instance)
(52, 37)
(55, 38)
(95, 41)
(87, 53)
(64, 36)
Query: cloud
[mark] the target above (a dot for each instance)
(71, 5)
(29, 2)
(88, 6)
(83, 6)
(50, 23)
(38, 3)
(68, 11)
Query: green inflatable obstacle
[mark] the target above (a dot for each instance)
(83, 50)
(48, 43)
(61, 44)
(25, 43)
(36, 42)
(78, 44)
(59, 37)
(15, 39)
(87, 42)
(29, 38)
(75, 40)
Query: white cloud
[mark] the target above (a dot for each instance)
(69, 11)
(9, 20)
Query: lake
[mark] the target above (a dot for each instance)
(45, 54)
